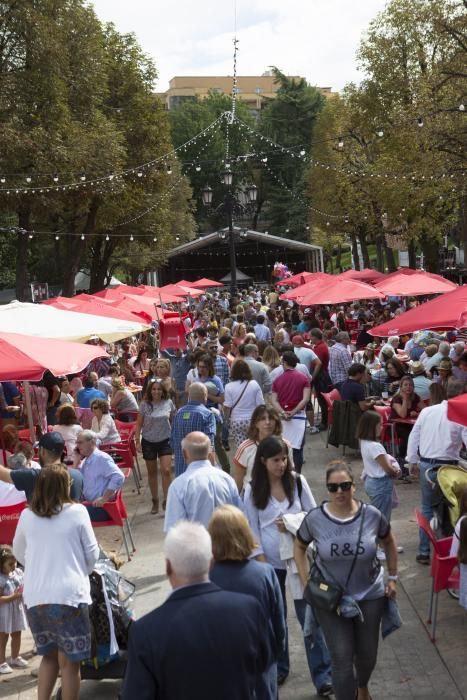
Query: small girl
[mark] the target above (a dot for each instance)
(459, 547)
(12, 614)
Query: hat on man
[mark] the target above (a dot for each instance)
(53, 442)
(417, 367)
(445, 364)
(297, 340)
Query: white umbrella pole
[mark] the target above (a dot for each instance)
(27, 400)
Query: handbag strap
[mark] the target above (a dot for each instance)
(354, 561)
(240, 397)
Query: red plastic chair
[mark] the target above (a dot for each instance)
(118, 517)
(9, 516)
(387, 437)
(330, 397)
(127, 432)
(123, 457)
(132, 414)
(444, 569)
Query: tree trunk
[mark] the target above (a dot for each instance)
(364, 248)
(412, 255)
(22, 255)
(431, 254)
(379, 253)
(355, 255)
(463, 227)
(390, 259)
(75, 248)
(101, 256)
(338, 258)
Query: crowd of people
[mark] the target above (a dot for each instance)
(221, 423)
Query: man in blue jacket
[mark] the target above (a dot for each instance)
(203, 643)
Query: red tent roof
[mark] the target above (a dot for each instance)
(26, 358)
(366, 275)
(338, 291)
(181, 291)
(121, 289)
(203, 283)
(94, 307)
(410, 283)
(302, 278)
(446, 311)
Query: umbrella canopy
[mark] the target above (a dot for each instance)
(95, 308)
(457, 409)
(446, 311)
(45, 321)
(314, 281)
(339, 291)
(180, 290)
(366, 275)
(414, 283)
(121, 289)
(302, 278)
(204, 283)
(26, 358)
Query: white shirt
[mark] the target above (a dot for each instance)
(252, 397)
(370, 450)
(107, 430)
(277, 371)
(58, 554)
(69, 433)
(456, 538)
(434, 436)
(10, 496)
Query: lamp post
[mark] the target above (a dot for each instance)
(230, 206)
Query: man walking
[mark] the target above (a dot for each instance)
(194, 416)
(186, 647)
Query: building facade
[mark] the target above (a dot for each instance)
(253, 90)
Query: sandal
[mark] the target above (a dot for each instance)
(155, 506)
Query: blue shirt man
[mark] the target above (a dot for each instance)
(101, 476)
(194, 416)
(195, 494)
(88, 393)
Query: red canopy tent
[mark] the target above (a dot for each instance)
(414, 283)
(203, 283)
(121, 289)
(181, 291)
(457, 409)
(26, 358)
(366, 275)
(94, 307)
(302, 278)
(446, 311)
(337, 292)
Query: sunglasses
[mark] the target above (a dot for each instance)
(343, 486)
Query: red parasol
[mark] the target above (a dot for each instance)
(181, 291)
(366, 275)
(203, 283)
(446, 311)
(26, 358)
(93, 307)
(337, 292)
(457, 409)
(414, 283)
(302, 278)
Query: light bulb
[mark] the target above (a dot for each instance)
(169, 169)
(2, 180)
(380, 132)
(155, 239)
(132, 238)
(107, 238)
(340, 142)
(28, 179)
(328, 223)
(265, 159)
(302, 152)
(83, 178)
(139, 173)
(57, 238)
(461, 108)
(420, 121)
(55, 178)
(198, 168)
(30, 236)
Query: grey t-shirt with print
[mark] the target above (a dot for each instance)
(336, 541)
(156, 420)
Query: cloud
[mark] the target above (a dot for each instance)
(314, 38)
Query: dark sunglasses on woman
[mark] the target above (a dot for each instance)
(343, 486)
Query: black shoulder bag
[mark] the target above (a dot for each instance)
(321, 593)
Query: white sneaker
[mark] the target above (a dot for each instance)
(19, 662)
(400, 549)
(313, 429)
(5, 668)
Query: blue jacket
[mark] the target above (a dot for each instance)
(203, 643)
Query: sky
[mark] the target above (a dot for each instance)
(317, 39)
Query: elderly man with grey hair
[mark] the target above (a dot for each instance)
(101, 476)
(259, 371)
(184, 648)
(195, 494)
(340, 359)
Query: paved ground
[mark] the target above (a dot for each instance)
(409, 665)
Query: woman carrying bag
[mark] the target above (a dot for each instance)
(347, 579)
(242, 396)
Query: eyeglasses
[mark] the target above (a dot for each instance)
(343, 486)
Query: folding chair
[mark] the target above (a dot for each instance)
(118, 517)
(330, 397)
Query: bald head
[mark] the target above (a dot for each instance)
(198, 392)
(196, 446)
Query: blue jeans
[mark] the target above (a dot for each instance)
(425, 503)
(379, 491)
(317, 654)
(319, 661)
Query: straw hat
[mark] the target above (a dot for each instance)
(417, 367)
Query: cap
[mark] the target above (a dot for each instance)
(53, 442)
(297, 340)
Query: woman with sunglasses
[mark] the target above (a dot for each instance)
(341, 543)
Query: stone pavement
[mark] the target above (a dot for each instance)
(409, 665)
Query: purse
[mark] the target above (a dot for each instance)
(320, 592)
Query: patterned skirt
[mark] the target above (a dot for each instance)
(239, 431)
(61, 628)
